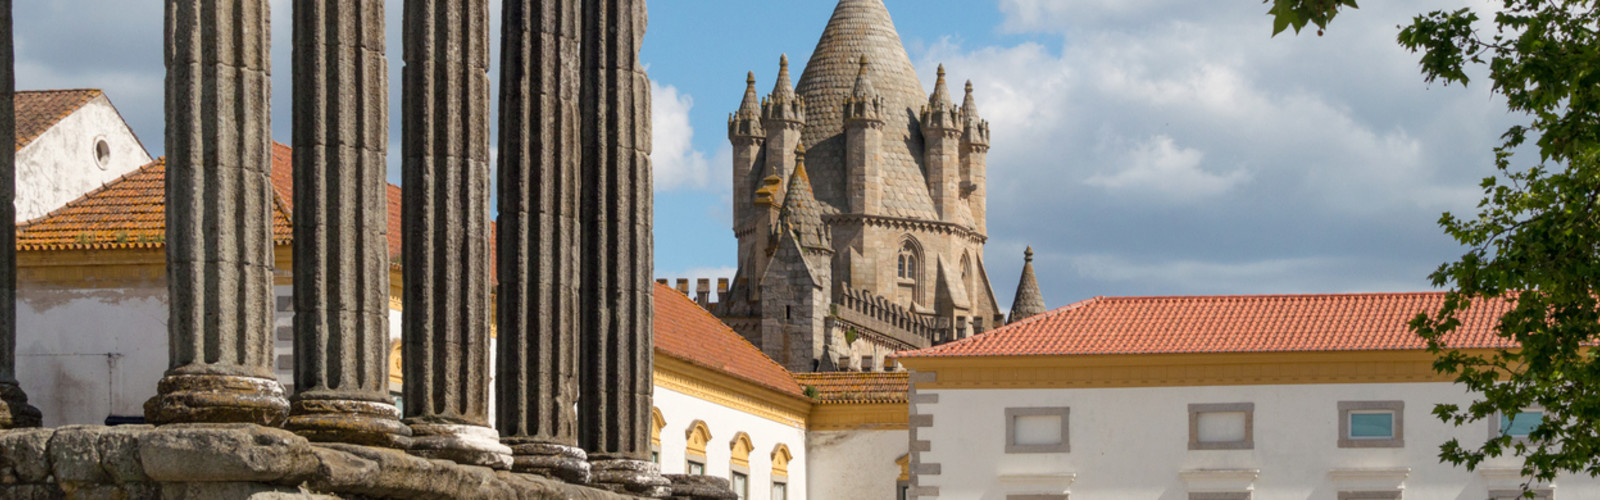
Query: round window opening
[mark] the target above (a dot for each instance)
(102, 153)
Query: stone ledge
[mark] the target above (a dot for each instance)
(241, 461)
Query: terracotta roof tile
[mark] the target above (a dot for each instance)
(686, 331)
(871, 387)
(1217, 324)
(129, 212)
(38, 110)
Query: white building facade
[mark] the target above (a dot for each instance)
(1200, 398)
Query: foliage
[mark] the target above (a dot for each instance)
(1535, 241)
(811, 391)
(850, 336)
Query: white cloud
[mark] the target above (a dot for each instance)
(1160, 170)
(677, 164)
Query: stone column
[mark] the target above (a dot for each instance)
(616, 340)
(341, 221)
(537, 355)
(446, 218)
(219, 217)
(14, 408)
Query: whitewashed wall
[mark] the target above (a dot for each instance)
(1133, 443)
(85, 354)
(855, 465)
(61, 165)
(680, 410)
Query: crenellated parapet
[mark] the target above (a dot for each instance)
(882, 316)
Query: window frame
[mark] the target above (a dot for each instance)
(1219, 495)
(1495, 429)
(1372, 495)
(1516, 494)
(734, 484)
(1011, 414)
(1249, 441)
(1397, 409)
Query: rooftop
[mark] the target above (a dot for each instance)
(1227, 324)
(686, 331)
(38, 110)
(853, 387)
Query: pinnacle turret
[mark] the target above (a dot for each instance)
(801, 216)
(783, 105)
(746, 122)
(864, 106)
(977, 129)
(969, 105)
(1028, 302)
(941, 114)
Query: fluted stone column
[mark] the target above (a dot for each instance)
(537, 383)
(219, 216)
(341, 250)
(617, 309)
(446, 218)
(15, 411)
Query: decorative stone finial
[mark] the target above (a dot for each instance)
(800, 152)
(1028, 254)
(1029, 302)
(969, 87)
(750, 79)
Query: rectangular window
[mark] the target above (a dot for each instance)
(741, 485)
(1231, 495)
(695, 468)
(780, 491)
(1372, 424)
(1522, 424)
(1538, 494)
(1228, 426)
(1037, 430)
(1371, 495)
(655, 457)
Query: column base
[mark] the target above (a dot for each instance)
(217, 399)
(701, 487)
(15, 412)
(630, 476)
(349, 421)
(567, 463)
(460, 443)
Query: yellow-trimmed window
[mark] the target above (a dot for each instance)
(695, 451)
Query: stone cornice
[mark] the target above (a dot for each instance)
(907, 224)
(856, 417)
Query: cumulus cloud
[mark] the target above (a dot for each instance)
(677, 163)
(1160, 170)
(1176, 147)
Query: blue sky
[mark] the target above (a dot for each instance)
(1143, 147)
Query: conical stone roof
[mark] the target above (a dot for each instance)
(1029, 302)
(863, 28)
(801, 217)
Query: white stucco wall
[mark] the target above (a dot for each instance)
(85, 354)
(680, 410)
(855, 465)
(61, 165)
(1133, 444)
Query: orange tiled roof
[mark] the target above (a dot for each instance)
(688, 332)
(870, 387)
(1218, 324)
(38, 110)
(128, 212)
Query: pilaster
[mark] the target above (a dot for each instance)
(341, 248)
(446, 246)
(219, 217)
(15, 412)
(536, 387)
(616, 306)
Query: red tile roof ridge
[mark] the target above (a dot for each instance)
(33, 130)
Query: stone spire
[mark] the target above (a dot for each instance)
(863, 88)
(446, 248)
(801, 216)
(746, 122)
(617, 342)
(940, 99)
(941, 114)
(341, 245)
(1028, 301)
(969, 105)
(784, 86)
(15, 411)
(219, 217)
(536, 386)
(782, 108)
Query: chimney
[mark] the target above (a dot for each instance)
(662, 281)
(683, 286)
(702, 292)
(722, 290)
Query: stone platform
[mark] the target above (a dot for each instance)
(240, 461)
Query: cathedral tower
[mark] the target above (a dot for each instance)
(892, 184)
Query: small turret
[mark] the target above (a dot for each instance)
(863, 124)
(784, 115)
(747, 136)
(783, 105)
(941, 134)
(746, 122)
(1028, 302)
(975, 162)
(801, 216)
